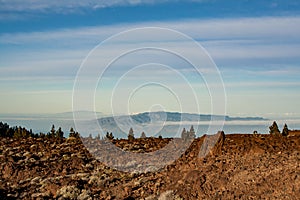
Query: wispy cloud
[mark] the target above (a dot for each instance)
(49, 60)
(230, 42)
(69, 5)
(218, 31)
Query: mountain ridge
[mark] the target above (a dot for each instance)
(148, 117)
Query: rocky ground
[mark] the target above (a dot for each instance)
(233, 166)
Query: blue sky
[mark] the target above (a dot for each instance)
(255, 45)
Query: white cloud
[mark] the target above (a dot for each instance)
(59, 53)
(262, 84)
(67, 5)
(217, 32)
(230, 40)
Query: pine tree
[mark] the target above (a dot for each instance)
(59, 133)
(98, 136)
(4, 130)
(18, 132)
(109, 136)
(285, 130)
(183, 134)
(130, 134)
(274, 129)
(76, 135)
(72, 132)
(192, 134)
(52, 131)
(143, 135)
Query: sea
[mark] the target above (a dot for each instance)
(39, 123)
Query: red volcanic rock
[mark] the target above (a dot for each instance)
(294, 133)
(236, 166)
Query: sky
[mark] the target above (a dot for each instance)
(249, 48)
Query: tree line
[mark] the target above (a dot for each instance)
(22, 132)
(185, 134)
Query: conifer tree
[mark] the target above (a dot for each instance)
(274, 128)
(59, 133)
(52, 131)
(98, 136)
(192, 133)
(72, 132)
(143, 135)
(111, 136)
(130, 134)
(183, 134)
(285, 130)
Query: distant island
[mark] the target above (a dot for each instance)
(146, 117)
(163, 123)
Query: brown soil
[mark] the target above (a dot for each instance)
(294, 133)
(238, 166)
